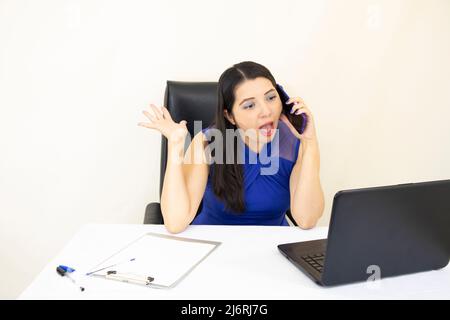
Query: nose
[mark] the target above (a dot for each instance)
(265, 111)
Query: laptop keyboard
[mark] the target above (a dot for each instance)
(315, 260)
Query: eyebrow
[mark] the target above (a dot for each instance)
(254, 97)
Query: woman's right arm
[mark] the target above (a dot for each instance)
(184, 184)
(186, 174)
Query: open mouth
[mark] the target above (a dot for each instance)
(267, 130)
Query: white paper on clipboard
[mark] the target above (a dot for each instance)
(168, 259)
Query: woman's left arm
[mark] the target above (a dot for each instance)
(307, 198)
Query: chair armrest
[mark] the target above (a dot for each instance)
(290, 217)
(153, 214)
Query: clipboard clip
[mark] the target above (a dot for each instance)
(129, 277)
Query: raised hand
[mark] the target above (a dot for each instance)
(161, 120)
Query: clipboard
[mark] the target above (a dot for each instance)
(155, 260)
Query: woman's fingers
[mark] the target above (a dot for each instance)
(166, 113)
(157, 111)
(303, 110)
(298, 109)
(295, 100)
(147, 125)
(149, 115)
(160, 119)
(160, 113)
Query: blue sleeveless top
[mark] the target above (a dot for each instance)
(266, 184)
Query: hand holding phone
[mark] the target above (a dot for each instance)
(298, 121)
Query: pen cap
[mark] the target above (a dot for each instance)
(67, 269)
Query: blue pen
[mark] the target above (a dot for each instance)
(64, 271)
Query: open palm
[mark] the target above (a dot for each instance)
(161, 120)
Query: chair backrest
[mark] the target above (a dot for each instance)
(190, 101)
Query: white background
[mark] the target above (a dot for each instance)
(75, 76)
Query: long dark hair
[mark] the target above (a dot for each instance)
(228, 178)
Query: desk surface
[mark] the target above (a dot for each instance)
(247, 265)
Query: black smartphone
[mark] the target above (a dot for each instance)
(298, 121)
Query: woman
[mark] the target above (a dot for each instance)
(237, 192)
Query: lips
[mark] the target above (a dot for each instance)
(267, 129)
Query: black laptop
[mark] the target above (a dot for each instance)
(379, 232)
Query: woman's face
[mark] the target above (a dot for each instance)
(256, 110)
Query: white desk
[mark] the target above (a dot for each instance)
(247, 265)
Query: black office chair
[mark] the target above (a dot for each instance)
(190, 101)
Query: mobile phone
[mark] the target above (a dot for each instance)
(298, 121)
